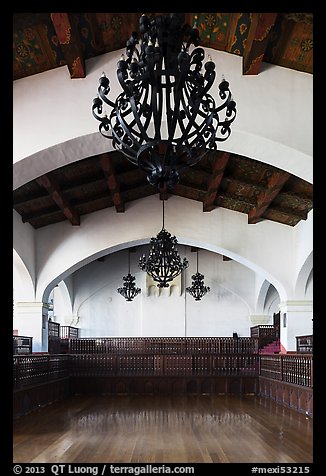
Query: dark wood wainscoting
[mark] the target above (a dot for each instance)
(164, 385)
(297, 397)
(30, 398)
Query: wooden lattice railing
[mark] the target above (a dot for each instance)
(69, 332)
(30, 370)
(101, 365)
(264, 334)
(291, 368)
(163, 345)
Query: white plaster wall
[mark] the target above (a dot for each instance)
(23, 286)
(299, 321)
(221, 277)
(100, 309)
(30, 319)
(219, 313)
(163, 316)
(24, 244)
(62, 309)
(108, 314)
(52, 113)
(103, 312)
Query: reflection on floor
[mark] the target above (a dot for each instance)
(163, 429)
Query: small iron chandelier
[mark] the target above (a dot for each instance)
(163, 263)
(197, 290)
(164, 120)
(128, 289)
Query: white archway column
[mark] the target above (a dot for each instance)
(296, 320)
(31, 320)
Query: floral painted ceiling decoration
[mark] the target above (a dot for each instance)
(43, 41)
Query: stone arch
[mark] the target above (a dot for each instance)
(57, 156)
(266, 298)
(304, 274)
(61, 292)
(22, 281)
(309, 286)
(78, 136)
(88, 259)
(272, 301)
(262, 297)
(130, 244)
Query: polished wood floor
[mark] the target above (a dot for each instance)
(163, 429)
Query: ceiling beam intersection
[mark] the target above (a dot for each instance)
(53, 188)
(112, 183)
(274, 184)
(218, 169)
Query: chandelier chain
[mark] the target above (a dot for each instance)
(163, 263)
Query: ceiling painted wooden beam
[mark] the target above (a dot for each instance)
(44, 214)
(274, 184)
(112, 183)
(53, 188)
(70, 44)
(218, 168)
(257, 41)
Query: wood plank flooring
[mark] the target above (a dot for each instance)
(163, 429)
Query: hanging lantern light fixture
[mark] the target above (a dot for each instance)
(198, 289)
(129, 290)
(163, 263)
(165, 120)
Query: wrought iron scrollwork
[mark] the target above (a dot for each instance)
(165, 119)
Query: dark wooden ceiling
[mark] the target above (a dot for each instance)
(43, 41)
(220, 179)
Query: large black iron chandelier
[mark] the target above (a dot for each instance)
(198, 289)
(129, 290)
(164, 120)
(163, 263)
